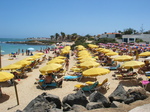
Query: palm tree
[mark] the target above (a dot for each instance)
(52, 37)
(62, 35)
(56, 36)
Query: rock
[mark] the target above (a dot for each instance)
(67, 107)
(55, 110)
(119, 94)
(116, 104)
(77, 98)
(78, 108)
(99, 97)
(53, 98)
(129, 100)
(94, 105)
(39, 104)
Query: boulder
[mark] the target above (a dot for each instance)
(55, 110)
(129, 100)
(40, 104)
(94, 105)
(78, 98)
(53, 98)
(67, 107)
(96, 96)
(78, 108)
(119, 94)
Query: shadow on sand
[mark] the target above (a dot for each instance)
(4, 98)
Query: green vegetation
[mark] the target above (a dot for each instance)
(105, 40)
(138, 40)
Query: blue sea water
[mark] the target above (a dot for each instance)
(8, 48)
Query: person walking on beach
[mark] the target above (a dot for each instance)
(67, 64)
(22, 52)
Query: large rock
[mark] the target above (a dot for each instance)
(99, 97)
(119, 94)
(94, 105)
(41, 104)
(78, 98)
(78, 108)
(55, 110)
(53, 98)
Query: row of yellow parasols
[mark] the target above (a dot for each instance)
(53, 65)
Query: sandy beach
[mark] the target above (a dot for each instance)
(27, 89)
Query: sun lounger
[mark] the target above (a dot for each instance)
(129, 75)
(114, 68)
(76, 77)
(88, 88)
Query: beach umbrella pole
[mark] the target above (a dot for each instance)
(16, 92)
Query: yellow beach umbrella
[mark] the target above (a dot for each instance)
(64, 51)
(105, 51)
(85, 56)
(123, 58)
(87, 59)
(12, 67)
(144, 54)
(95, 72)
(56, 61)
(23, 62)
(53, 67)
(4, 76)
(133, 64)
(39, 54)
(89, 64)
(111, 53)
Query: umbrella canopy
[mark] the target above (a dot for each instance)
(84, 56)
(50, 68)
(89, 64)
(111, 53)
(4, 76)
(87, 59)
(12, 67)
(60, 57)
(132, 64)
(145, 54)
(23, 62)
(95, 72)
(31, 49)
(39, 54)
(56, 60)
(123, 58)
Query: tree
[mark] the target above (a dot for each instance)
(56, 36)
(52, 37)
(128, 31)
(62, 35)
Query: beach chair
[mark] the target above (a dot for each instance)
(130, 75)
(114, 68)
(70, 77)
(86, 88)
(43, 85)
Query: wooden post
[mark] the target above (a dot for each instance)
(16, 92)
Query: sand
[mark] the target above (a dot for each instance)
(27, 89)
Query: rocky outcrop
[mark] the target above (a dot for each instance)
(119, 94)
(99, 97)
(77, 98)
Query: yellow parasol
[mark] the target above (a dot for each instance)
(60, 57)
(4, 76)
(111, 53)
(85, 56)
(23, 62)
(87, 59)
(56, 60)
(12, 67)
(89, 64)
(123, 58)
(132, 64)
(95, 72)
(144, 54)
(50, 68)
(39, 54)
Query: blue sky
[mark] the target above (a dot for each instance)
(42, 18)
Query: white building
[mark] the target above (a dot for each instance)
(132, 38)
(110, 35)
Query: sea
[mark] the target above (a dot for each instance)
(9, 48)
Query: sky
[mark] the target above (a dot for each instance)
(43, 18)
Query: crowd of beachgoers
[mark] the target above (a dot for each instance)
(71, 62)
